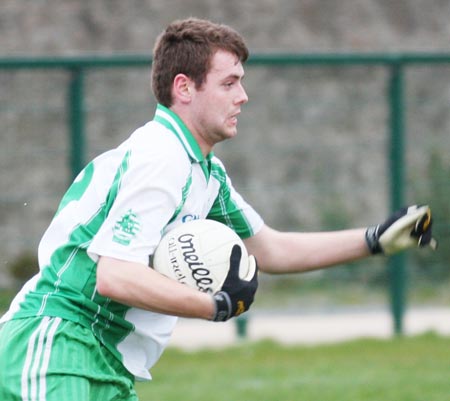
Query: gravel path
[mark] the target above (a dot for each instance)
(308, 328)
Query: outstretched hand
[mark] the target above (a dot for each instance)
(409, 227)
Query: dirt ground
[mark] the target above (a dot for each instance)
(307, 328)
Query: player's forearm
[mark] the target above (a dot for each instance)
(311, 251)
(280, 252)
(137, 285)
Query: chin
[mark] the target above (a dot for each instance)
(225, 134)
(230, 135)
(232, 132)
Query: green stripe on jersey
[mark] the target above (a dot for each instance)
(78, 188)
(170, 120)
(225, 209)
(66, 287)
(184, 194)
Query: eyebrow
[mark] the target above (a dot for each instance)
(233, 76)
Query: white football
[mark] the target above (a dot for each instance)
(197, 253)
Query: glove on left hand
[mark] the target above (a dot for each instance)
(406, 228)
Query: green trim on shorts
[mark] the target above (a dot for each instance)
(51, 359)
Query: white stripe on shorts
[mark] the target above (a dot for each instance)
(37, 360)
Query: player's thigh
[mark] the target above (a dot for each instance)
(26, 346)
(13, 352)
(80, 364)
(66, 387)
(60, 361)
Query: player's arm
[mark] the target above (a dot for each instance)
(283, 252)
(290, 252)
(135, 284)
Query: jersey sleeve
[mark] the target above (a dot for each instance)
(231, 209)
(147, 194)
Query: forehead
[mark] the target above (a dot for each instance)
(224, 63)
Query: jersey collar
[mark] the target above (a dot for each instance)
(170, 120)
(174, 123)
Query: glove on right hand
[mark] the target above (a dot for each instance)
(236, 294)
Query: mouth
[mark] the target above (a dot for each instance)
(234, 118)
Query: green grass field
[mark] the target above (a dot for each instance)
(401, 369)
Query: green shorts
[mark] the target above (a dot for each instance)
(50, 359)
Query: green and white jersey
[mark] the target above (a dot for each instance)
(119, 206)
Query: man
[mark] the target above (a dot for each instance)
(97, 317)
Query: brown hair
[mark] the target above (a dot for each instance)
(187, 47)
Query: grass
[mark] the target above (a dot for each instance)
(401, 369)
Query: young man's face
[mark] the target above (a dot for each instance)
(216, 105)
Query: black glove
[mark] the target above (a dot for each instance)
(407, 228)
(236, 294)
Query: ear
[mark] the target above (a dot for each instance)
(182, 88)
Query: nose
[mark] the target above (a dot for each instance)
(242, 97)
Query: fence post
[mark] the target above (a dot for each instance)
(76, 121)
(396, 263)
(241, 323)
